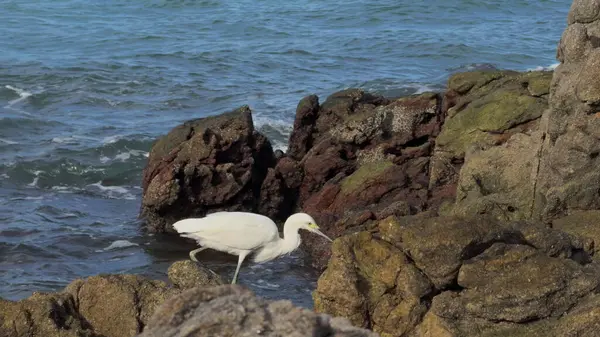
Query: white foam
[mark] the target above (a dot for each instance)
(9, 142)
(34, 182)
(118, 244)
(114, 192)
(551, 67)
(422, 88)
(4, 176)
(65, 189)
(27, 198)
(35, 179)
(283, 128)
(277, 145)
(22, 95)
(111, 139)
(85, 137)
(63, 140)
(124, 156)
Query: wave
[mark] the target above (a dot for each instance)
(551, 67)
(9, 142)
(118, 244)
(113, 192)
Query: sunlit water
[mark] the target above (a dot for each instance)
(86, 86)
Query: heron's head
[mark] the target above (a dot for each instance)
(305, 221)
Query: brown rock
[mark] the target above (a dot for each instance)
(585, 224)
(188, 274)
(279, 191)
(232, 310)
(99, 306)
(369, 154)
(301, 138)
(568, 178)
(207, 164)
(118, 305)
(373, 284)
(439, 245)
(484, 109)
(48, 315)
(450, 276)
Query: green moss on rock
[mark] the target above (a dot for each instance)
(495, 113)
(365, 173)
(465, 81)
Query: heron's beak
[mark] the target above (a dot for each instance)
(316, 231)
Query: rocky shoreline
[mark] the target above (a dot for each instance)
(472, 212)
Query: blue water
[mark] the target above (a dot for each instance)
(86, 86)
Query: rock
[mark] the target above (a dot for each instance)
(374, 285)
(439, 245)
(553, 287)
(568, 178)
(369, 158)
(207, 164)
(279, 191)
(98, 306)
(545, 288)
(485, 109)
(583, 320)
(500, 181)
(453, 276)
(232, 310)
(585, 224)
(301, 137)
(49, 315)
(131, 299)
(188, 274)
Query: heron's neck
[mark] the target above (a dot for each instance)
(290, 240)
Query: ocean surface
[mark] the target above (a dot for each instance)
(86, 86)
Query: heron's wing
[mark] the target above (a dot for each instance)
(238, 230)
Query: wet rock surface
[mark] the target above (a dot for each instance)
(233, 310)
(98, 306)
(451, 276)
(208, 164)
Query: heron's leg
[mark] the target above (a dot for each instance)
(241, 258)
(196, 251)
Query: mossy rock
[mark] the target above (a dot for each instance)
(365, 173)
(538, 82)
(165, 144)
(493, 114)
(585, 224)
(465, 81)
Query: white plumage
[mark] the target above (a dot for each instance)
(242, 233)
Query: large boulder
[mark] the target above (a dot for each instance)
(499, 181)
(232, 310)
(456, 276)
(374, 285)
(585, 224)
(102, 306)
(568, 178)
(207, 164)
(361, 157)
(51, 315)
(484, 109)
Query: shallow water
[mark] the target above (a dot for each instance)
(86, 86)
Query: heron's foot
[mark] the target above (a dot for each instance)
(194, 252)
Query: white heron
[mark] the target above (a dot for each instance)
(242, 233)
